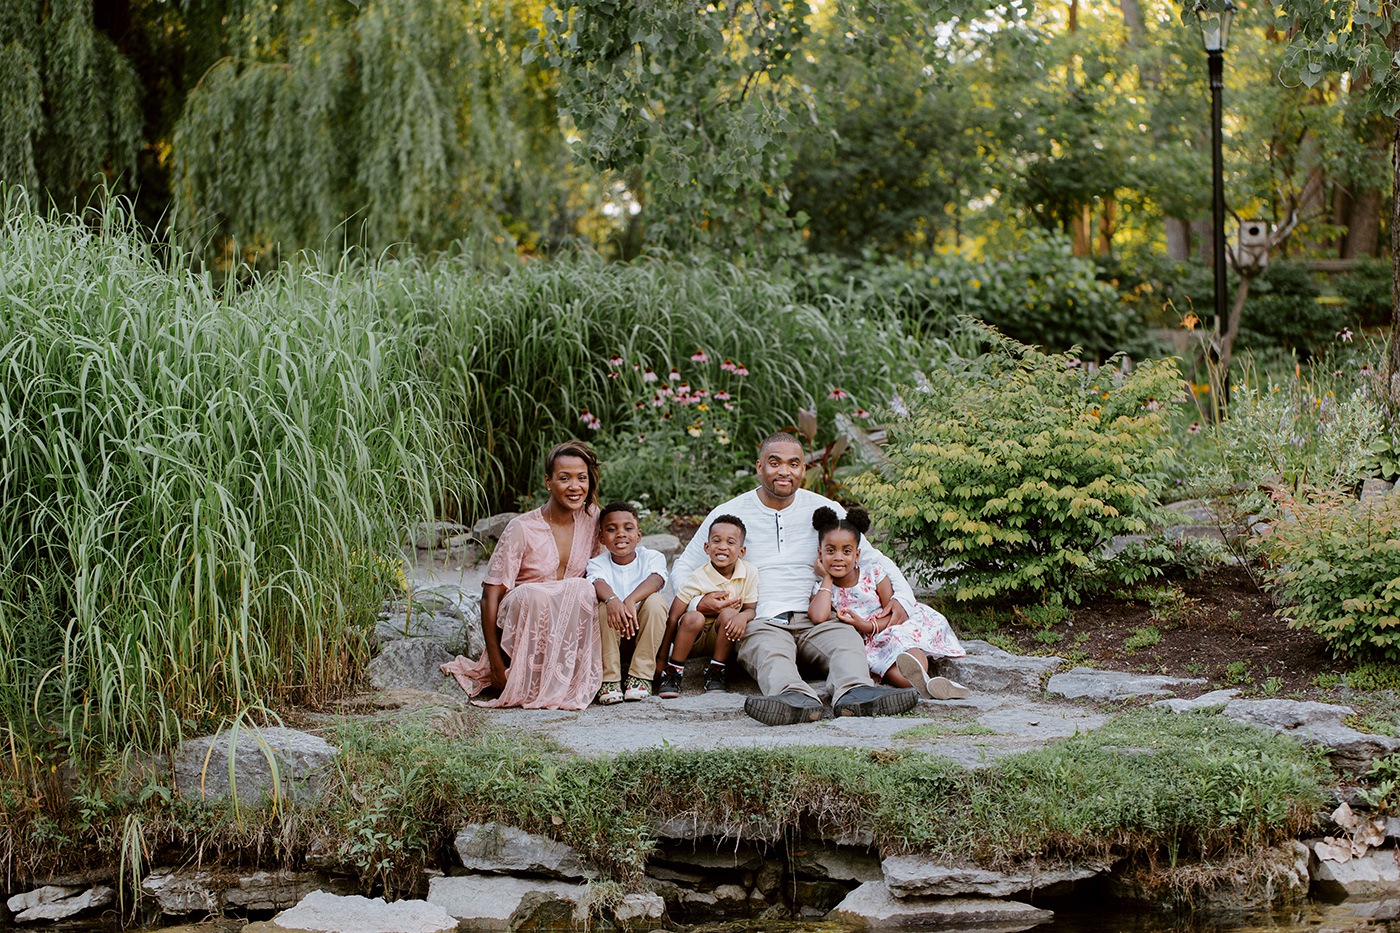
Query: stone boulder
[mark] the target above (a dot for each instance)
(276, 890)
(303, 762)
(320, 912)
(181, 891)
(916, 875)
(430, 536)
(667, 545)
(1375, 874)
(1319, 723)
(493, 903)
(58, 902)
(639, 911)
(836, 863)
(1110, 686)
(872, 906)
(988, 669)
(410, 664)
(494, 526)
(495, 847)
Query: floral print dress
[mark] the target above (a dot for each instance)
(925, 629)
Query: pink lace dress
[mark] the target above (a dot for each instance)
(925, 629)
(549, 627)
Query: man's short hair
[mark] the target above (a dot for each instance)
(779, 437)
(734, 520)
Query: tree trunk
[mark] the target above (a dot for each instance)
(1202, 234)
(1363, 223)
(1393, 357)
(1178, 239)
(1081, 224)
(1107, 223)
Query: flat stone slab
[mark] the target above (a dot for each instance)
(1109, 686)
(1374, 875)
(1319, 723)
(915, 875)
(486, 903)
(497, 848)
(320, 912)
(58, 902)
(871, 905)
(988, 669)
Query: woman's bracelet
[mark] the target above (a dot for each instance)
(611, 598)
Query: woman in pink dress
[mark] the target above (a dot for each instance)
(538, 612)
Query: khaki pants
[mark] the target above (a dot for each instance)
(770, 650)
(651, 628)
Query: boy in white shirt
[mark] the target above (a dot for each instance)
(628, 580)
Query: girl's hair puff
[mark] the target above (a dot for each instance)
(824, 519)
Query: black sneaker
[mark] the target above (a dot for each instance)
(670, 687)
(784, 709)
(876, 701)
(714, 679)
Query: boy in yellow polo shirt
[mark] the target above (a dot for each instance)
(727, 573)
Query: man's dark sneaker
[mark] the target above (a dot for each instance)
(876, 700)
(670, 687)
(714, 679)
(784, 709)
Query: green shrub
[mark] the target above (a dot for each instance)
(1367, 290)
(1042, 295)
(1336, 565)
(1011, 479)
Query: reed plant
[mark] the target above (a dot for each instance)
(203, 490)
(519, 354)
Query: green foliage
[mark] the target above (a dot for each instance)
(71, 102)
(1366, 289)
(1039, 294)
(1159, 556)
(1336, 563)
(1348, 37)
(1146, 636)
(375, 124)
(197, 485)
(1010, 479)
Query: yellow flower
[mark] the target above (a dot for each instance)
(1190, 321)
(1200, 388)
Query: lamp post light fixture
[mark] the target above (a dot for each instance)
(1214, 17)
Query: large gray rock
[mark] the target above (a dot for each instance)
(410, 664)
(303, 762)
(916, 875)
(273, 890)
(836, 863)
(1375, 874)
(486, 903)
(639, 911)
(187, 890)
(724, 858)
(988, 669)
(320, 912)
(58, 902)
(1319, 723)
(456, 624)
(1088, 683)
(433, 535)
(495, 847)
(494, 526)
(871, 905)
(667, 545)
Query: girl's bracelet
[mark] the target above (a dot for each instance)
(611, 598)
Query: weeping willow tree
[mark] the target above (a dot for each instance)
(70, 103)
(374, 124)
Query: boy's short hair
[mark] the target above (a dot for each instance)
(734, 520)
(618, 506)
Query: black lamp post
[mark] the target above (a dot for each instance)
(1214, 17)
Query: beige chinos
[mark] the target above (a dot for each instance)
(651, 628)
(771, 648)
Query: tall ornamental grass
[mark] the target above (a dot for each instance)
(200, 488)
(518, 355)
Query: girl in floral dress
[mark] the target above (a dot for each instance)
(898, 654)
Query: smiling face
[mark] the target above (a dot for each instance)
(781, 467)
(724, 546)
(568, 483)
(620, 536)
(839, 553)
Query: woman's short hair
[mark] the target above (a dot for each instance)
(574, 447)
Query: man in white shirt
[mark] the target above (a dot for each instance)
(782, 544)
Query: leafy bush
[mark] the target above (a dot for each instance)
(1367, 290)
(1043, 295)
(1011, 479)
(1336, 562)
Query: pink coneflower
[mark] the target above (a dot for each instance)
(1151, 405)
(838, 394)
(727, 366)
(1195, 428)
(1365, 369)
(615, 361)
(589, 420)
(1345, 335)
(612, 375)
(648, 376)
(722, 396)
(657, 400)
(699, 357)
(702, 393)
(1071, 364)
(862, 413)
(740, 369)
(675, 375)
(728, 406)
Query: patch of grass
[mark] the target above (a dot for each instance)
(1044, 616)
(1374, 675)
(1194, 668)
(936, 730)
(1237, 674)
(1140, 638)
(1271, 687)
(1046, 637)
